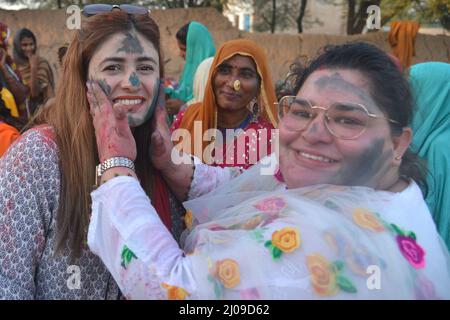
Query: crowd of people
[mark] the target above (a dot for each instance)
(210, 188)
(27, 82)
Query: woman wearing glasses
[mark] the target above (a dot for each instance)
(342, 218)
(47, 176)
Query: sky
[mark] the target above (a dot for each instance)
(8, 6)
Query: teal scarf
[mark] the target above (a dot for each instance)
(199, 46)
(430, 83)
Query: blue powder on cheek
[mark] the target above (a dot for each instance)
(154, 100)
(133, 121)
(134, 80)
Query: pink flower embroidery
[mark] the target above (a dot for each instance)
(412, 251)
(272, 205)
(249, 294)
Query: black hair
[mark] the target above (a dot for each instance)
(388, 87)
(182, 33)
(27, 33)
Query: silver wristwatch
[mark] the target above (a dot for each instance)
(112, 163)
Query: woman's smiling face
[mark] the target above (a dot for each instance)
(127, 67)
(241, 68)
(315, 156)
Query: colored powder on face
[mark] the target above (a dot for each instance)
(134, 80)
(131, 44)
(137, 121)
(105, 86)
(361, 170)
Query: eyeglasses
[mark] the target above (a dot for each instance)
(343, 120)
(93, 9)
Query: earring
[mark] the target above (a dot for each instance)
(398, 157)
(254, 109)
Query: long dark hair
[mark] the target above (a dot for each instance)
(69, 116)
(387, 85)
(182, 33)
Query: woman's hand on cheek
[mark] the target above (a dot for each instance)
(161, 145)
(112, 131)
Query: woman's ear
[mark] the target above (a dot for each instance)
(401, 143)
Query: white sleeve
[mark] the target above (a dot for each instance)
(207, 178)
(126, 232)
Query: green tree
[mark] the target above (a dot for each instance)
(422, 11)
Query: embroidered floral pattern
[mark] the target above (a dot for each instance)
(174, 292)
(249, 294)
(411, 251)
(323, 279)
(357, 258)
(127, 255)
(252, 223)
(365, 219)
(224, 274)
(272, 205)
(406, 240)
(227, 271)
(284, 240)
(327, 277)
(188, 219)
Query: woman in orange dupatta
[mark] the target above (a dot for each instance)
(239, 96)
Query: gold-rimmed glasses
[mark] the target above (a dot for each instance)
(344, 120)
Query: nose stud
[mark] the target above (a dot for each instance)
(236, 85)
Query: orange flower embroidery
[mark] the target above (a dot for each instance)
(188, 219)
(174, 292)
(367, 220)
(227, 271)
(323, 278)
(252, 223)
(286, 239)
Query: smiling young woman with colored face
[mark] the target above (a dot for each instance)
(129, 74)
(342, 218)
(46, 177)
(317, 156)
